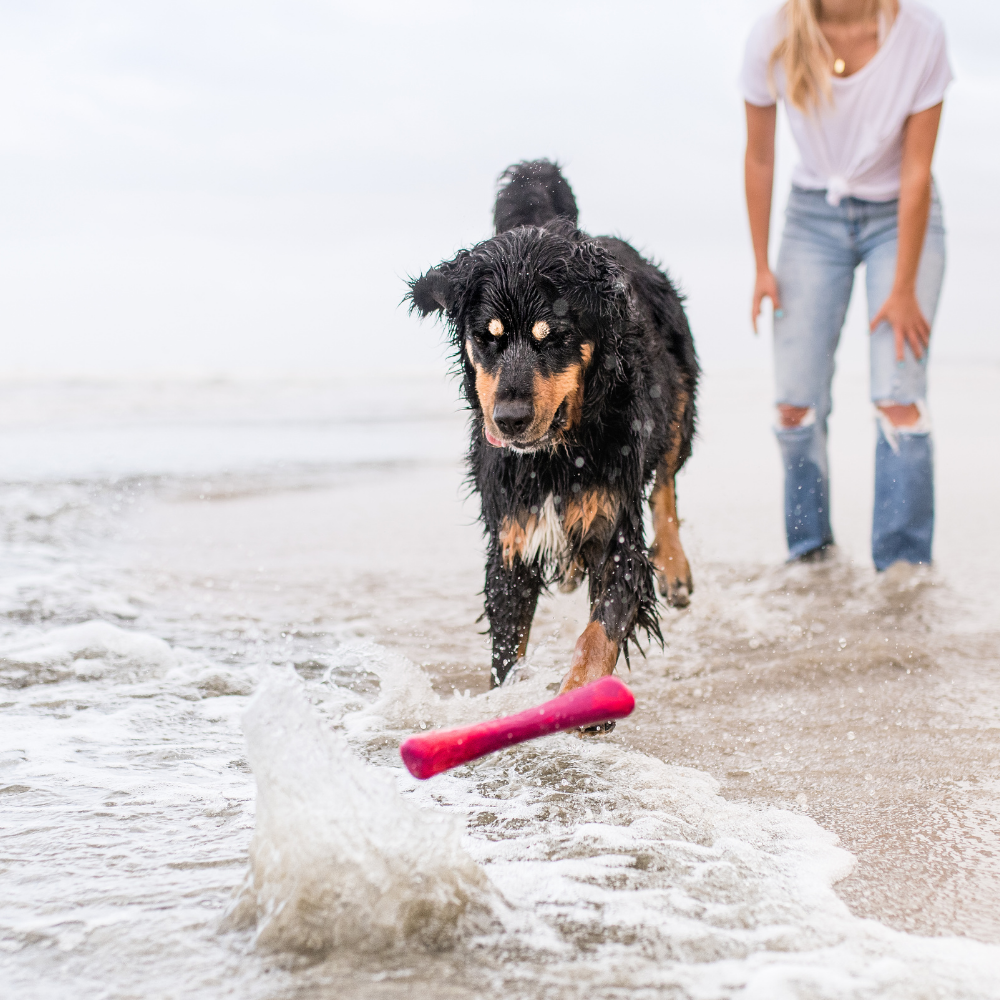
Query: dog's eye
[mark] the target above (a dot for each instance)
(486, 341)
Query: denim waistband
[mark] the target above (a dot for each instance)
(814, 203)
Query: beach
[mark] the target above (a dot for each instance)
(226, 603)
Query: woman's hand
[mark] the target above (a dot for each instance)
(764, 286)
(902, 312)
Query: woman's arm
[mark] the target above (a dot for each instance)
(759, 171)
(901, 309)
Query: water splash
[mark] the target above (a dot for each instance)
(339, 858)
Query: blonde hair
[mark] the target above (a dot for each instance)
(806, 55)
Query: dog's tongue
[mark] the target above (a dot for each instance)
(496, 442)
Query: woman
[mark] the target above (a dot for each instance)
(863, 83)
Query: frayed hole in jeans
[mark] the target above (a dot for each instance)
(786, 413)
(891, 432)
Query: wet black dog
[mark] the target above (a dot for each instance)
(579, 366)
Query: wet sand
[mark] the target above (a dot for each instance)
(898, 754)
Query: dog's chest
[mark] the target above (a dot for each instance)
(549, 535)
(545, 535)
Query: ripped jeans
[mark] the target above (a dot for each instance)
(821, 247)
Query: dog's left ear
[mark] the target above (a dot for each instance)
(598, 282)
(432, 292)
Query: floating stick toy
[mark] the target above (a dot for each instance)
(428, 754)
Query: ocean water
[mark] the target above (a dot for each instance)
(223, 605)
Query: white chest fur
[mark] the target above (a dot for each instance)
(545, 535)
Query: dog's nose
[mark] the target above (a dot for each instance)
(513, 416)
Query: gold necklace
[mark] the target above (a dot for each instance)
(839, 66)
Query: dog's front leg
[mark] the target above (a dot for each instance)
(621, 588)
(512, 590)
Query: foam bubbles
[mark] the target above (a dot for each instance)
(89, 651)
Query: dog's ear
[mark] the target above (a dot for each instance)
(599, 286)
(432, 292)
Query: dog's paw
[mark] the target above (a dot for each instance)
(676, 592)
(600, 729)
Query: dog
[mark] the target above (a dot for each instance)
(580, 370)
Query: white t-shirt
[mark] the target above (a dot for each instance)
(854, 145)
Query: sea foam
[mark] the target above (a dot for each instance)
(89, 651)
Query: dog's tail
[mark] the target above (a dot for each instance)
(532, 193)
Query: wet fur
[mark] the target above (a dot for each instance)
(616, 377)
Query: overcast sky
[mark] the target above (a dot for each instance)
(231, 188)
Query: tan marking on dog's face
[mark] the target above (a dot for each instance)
(496, 327)
(549, 393)
(590, 508)
(540, 330)
(586, 352)
(486, 390)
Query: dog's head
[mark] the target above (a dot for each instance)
(531, 311)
